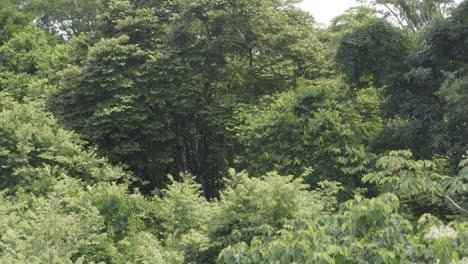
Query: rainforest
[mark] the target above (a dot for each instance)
(233, 131)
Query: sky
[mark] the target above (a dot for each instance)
(324, 10)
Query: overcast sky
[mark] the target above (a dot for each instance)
(324, 10)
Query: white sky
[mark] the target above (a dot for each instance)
(324, 10)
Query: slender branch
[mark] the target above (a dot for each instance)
(456, 205)
(395, 15)
(452, 201)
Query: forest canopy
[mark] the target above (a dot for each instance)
(233, 131)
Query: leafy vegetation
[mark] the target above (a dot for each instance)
(233, 131)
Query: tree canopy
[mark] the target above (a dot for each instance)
(233, 131)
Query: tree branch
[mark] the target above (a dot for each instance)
(456, 205)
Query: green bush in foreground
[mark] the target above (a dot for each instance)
(363, 231)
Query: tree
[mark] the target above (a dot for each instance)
(250, 207)
(363, 231)
(454, 139)
(302, 129)
(436, 72)
(78, 223)
(35, 150)
(48, 229)
(67, 18)
(445, 41)
(26, 58)
(239, 51)
(185, 216)
(414, 14)
(11, 20)
(401, 175)
(161, 87)
(373, 53)
(352, 18)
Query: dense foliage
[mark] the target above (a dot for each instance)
(233, 131)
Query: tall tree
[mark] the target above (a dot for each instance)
(421, 105)
(159, 89)
(414, 14)
(373, 52)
